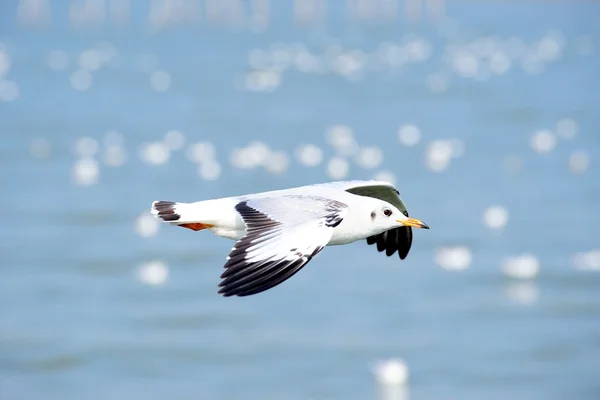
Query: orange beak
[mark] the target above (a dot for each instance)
(415, 223)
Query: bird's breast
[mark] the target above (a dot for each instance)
(347, 231)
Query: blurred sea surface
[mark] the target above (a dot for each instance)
(488, 122)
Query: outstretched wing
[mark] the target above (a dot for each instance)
(283, 234)
(397, 239)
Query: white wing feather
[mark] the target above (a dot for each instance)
(283, 233)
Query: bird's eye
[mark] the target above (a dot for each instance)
(387, 212)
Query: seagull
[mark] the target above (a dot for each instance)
(278, 232)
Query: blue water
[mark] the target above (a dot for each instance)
(76, 323)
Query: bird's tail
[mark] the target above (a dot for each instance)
(186, 215)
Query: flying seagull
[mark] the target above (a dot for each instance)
(278, 232)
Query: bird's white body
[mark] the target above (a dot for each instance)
(228, 223)
(278, 232)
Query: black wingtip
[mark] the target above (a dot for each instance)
(225, 293)
(405, 239)
(165, 210)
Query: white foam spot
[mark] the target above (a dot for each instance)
(349, 65)
(457, 258)
(309, 155)
(263, 80)
(90, 60)
(549, 48)
(155, 153)
(276, 162)
(500, 63)
(254, 155)
(543, 141)
(495, 217)
(9, 91)
(146, 225)
(160, 81)
(81, 79)
(409, 135)
(259, 153)
(86, 147)
(566, 128)
(342, 139)
(438, 155)
(417, 49)
(209, 170)
(586, 261)
(579, 162)
(337, 168)
(174, 140)
(369, 157)
(525, 266)
(153, 273)
(115, 155)
(239, 158)
(393, 372)
(466, 64)
(85, 171)
(201, 151)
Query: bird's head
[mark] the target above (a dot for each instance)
(386, 216)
